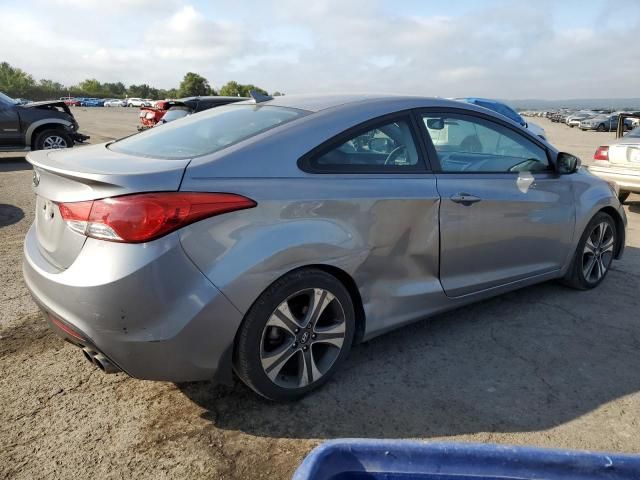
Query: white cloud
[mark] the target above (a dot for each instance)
(507, 50)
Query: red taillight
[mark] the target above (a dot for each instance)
(147, 216)
(602, 153)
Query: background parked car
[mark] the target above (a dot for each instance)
(70, 101)
(92, 102)
(135, 102)
(507, 111)
(180, 108)
(36, 125)
(619, 162)
(603, 123)
(575, 119)
(114, 102)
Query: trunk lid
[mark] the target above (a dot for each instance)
(89, 173)
(625, 154)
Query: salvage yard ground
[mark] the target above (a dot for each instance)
(545, 366)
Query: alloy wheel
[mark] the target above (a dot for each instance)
(303, 338)
(598, 252)
(54, 142)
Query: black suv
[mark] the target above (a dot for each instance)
(36, 126)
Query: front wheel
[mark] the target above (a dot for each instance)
(52, 140)
(594, 254)
(295, 336)
(601, 127)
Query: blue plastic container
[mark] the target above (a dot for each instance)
(410, 460)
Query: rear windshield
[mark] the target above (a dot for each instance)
(206, 132)
(634, 133)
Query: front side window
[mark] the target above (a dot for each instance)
(465, 143)
(389, 146)
(206, 132)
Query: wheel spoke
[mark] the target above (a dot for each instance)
(317, 304)
(602, 229)
(601, 267)
(589, 247)
(607, 246)
(333, 335)
(309, 371)
(284, 319)
(588, 268)
(274, 361)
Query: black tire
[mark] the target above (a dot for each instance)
(622, 196)
(575, 276)
(46, 138)
(601, 127)
(253, 334)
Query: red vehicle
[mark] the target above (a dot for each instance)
(150, 116)
(70, 101)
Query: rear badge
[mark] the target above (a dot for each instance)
(36, 178)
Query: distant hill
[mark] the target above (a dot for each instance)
(594, 103)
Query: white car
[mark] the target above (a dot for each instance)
(135, 102)
(115, 102)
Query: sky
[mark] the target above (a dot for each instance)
(504, 49)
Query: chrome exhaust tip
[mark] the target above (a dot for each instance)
(89, 355)
(104, 364)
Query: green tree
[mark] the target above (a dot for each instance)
(171, 93)
(194, 85)
(92, 87)
(14, 81)
(139, 91)
(235, 89)
(115, 89)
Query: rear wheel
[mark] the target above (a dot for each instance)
(622, 196)
(594, 254)
(295, 336)
(52, 140)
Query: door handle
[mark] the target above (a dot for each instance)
(465, 199)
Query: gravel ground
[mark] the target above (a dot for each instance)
(544, 366)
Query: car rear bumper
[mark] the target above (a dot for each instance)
(627, 180)
(146, 307)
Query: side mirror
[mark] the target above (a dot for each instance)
(435, 123)
(567, 163)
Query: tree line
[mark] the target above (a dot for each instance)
(17, 83)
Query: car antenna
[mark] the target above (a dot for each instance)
(259, 97)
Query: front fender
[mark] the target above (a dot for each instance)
(593, 195)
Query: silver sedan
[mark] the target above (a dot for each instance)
(619, 162)
(269, 236)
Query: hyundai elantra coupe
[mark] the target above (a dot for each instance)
(268, 237)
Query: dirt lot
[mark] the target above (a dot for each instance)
(544, 366)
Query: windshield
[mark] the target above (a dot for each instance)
(6, 99)
(206, 132)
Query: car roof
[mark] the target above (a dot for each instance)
(212, 97)
(319, 102)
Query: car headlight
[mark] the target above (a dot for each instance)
(149, 115)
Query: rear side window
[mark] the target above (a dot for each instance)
(470, 144)
(387, 147)
(206, 132)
